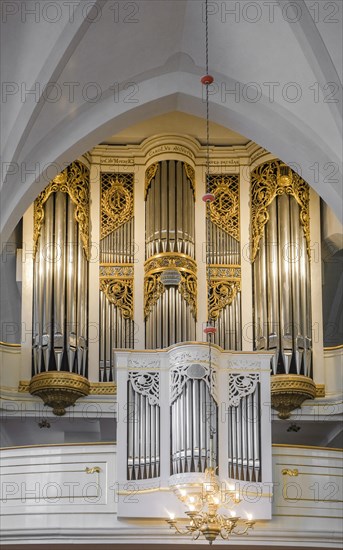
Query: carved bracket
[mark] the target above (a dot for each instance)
(241, 385)
(266, 184)
(120, 293)
(74, 181)
(147, 384)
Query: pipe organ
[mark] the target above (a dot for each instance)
(116, 268)
(281, 275)
(170, 403)
(170, 311)
(61, 235)
(145, 212)
(281, 256)
(224, 256)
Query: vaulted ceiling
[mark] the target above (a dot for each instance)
(78, 72)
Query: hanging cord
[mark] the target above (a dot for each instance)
(208, 198)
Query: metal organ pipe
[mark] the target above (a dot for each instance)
(169, 243)
(282, 306)
(60, 307)
(116, 256)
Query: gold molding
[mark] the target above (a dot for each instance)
(150, 173)
(59, 389)
(96, 388)
(119, 292)
(224, 211)
(9, 345)
(116, 202)
(74, 181)
(267, 183)
(332, 348)
(320, 390)
(288, 391)
(153, 288)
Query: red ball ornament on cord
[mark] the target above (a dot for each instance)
(208, 197)
(206, 79)
(210, 330)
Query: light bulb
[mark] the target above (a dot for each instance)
(191, 499)
(171, 516)
(249, 516)
(237, 495)
(233, 514)
(183, 492)
(191, 507)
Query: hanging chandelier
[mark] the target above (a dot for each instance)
(207, 501)
(204, 512)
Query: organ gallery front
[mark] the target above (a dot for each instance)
(130, 265)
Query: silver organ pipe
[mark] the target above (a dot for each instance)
(60, 307)
(244, 434)
(224, 257)
(194, 419)
(143, 431)
(170, 311)
(282, 308)
(116, 266)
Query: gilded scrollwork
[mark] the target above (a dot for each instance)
(222, 293)
(224, 210)
(190, 173)
(188, 290)
(149, 175)
(153, 288)
(266, 183)
(120, 293)
(74, 181)
(116, 270)
(116, 202)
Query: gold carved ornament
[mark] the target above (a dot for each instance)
(267, 182)
(225, 283)
(190, 173)
(149, 175)
(153, 288)
(116, 202)
(74, 181)
(224, 210)
(119, 292)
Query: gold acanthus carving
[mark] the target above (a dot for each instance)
(222, 294)
(224, 210)
(190, 173)
(120, 293)
(116, 205)
(266, 184)
(153, 288)
(116, 270)
(149, 175)
(74, 181)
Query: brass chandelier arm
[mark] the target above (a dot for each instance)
(74, 181)
(266, 184)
